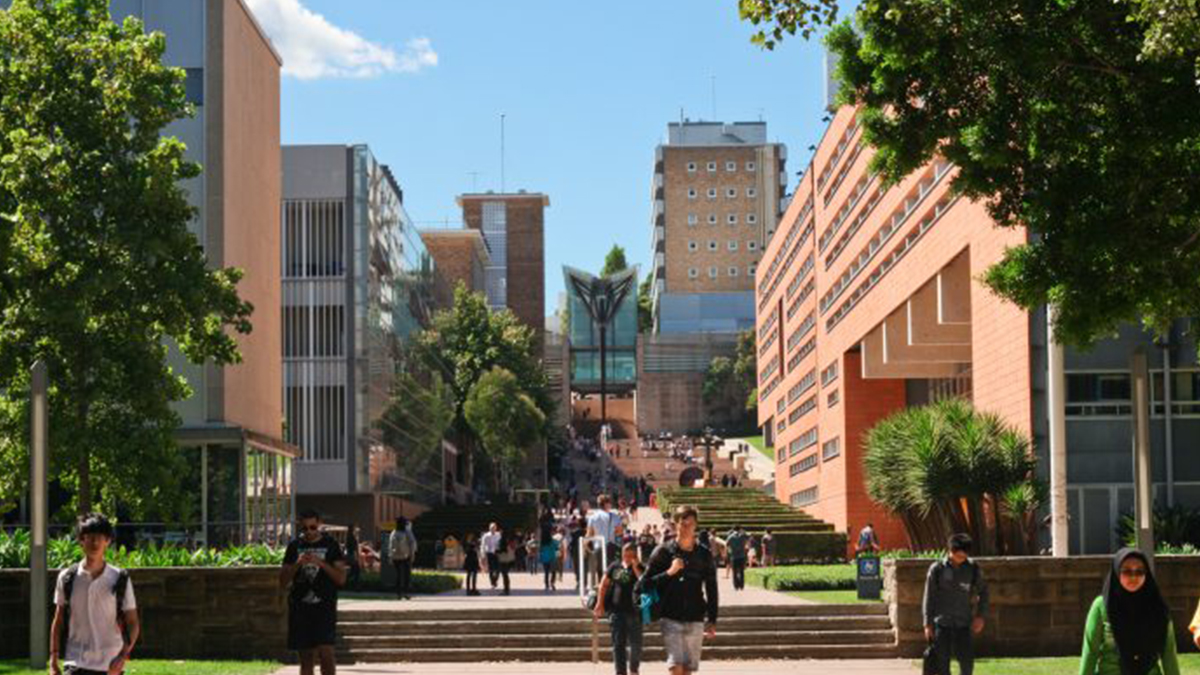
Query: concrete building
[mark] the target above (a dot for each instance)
(868, 301)
(513, 226)
(717, 195)
(459, 256)
(356, 284)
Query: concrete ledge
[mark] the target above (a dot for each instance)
(1038, 605)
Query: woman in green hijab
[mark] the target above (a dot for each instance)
(1129, 628)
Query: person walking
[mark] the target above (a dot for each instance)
(506, 557)
(646, 544)
(471, 563)
(95, 623)
(402, 550)
(684, 575)
(314, 567)
(867, 541)
(1129, 628)
(736, 544)
(768, 549)
(956, 600)
(616, 599)
(548, 553)
(353, 557)
(606, 524)
(490, 542)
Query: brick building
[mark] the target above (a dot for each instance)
(717, 196)
(869, 300)
(513, 226)
(458, 256)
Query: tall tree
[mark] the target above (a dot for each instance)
(615, 261)
(504, 417)
(729, 382)
(98, 270)
(1077, 119)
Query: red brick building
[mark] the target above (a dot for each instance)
(868, 300)
(458, 256)
(513, 226)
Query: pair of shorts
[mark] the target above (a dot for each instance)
(311, 626)
(683, 641)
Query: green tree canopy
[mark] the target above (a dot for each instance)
(1077, 119)
(615, 261)
(98, 270)
(419, 414)
(942, 468)
(645, 305)
(504, 417)
(730, 382)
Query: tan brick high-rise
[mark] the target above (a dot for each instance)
(717, 196)
(513, 226)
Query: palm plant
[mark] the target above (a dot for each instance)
(947, 468)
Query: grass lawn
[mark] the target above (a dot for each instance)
(757, 443)
(834, 577)
(833, 597)
(136, 667)
(1188, 663)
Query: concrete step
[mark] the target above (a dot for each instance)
(713, 651)
(459, 629)
(350, 614)
(583, 638)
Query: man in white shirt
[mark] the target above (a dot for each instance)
(100, 628)
(490, 541)
(606, 524)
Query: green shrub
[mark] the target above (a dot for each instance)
(424, 582)
(810, 547)
(803, 577)
(1174, 526)
(65, 551)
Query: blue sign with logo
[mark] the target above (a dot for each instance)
(869, 578)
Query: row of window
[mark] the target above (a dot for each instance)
(714, 245)
(730, 193)
(714, 271)
(803, 464)
(1110, 393)
(730, 219)
(730, 166)
(805, 497)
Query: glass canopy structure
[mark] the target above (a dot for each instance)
(616, 297)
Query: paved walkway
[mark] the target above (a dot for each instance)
(866, 667)
(758, 465)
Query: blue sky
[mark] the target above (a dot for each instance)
(587, 90)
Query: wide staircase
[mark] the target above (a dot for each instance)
(799, 536)
(654, 466)
(565, 635)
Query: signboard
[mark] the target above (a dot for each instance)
(870, 577)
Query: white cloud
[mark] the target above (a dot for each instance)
(312, 47)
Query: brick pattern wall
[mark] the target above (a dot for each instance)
(526, 252)
(1038, 605)
(455, 260)
(186, 613)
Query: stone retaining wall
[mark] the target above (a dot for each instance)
(1038, 605)
(186, 613)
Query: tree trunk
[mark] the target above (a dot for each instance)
(84, 498)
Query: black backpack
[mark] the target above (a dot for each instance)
(69, 585)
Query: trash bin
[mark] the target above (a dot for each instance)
(869, 579)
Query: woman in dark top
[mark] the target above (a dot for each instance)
(471, 564)
(1129, 628)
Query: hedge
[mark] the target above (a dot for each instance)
(65, 551)
(423, 582)
(803, 577)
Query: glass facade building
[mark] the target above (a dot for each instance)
(584, 336)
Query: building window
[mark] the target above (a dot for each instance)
(751, 270)
(831, 448)
(712, 193)
(731, 166)
(751, 193)
(691, 167)
(751, 218)
(752, 245)
(693, 273)
(733, 271)
(712, 273)
(712, 245)
(833, 398)
(194, 85)
(805, 497)
(692, 245)
(1091, 394)
(712, 219)
(731, 219)
(693, 219)
(751, 166)
(691, 193)
(731, 193)
(733, 245)
(712, 167)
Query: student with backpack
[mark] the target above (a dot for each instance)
(95, 622)
(1129, 628)
(617, 599)
(737, 543)
(402, 549)
(683, 575)
(956, 600)
(314, 568)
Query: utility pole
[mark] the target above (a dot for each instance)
(1143, 487)
(1056, 387)
(39, 645)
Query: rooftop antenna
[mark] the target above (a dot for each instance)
(474, 180)
(760, 114)
(714, 97)
(501, 153)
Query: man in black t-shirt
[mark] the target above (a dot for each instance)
(314, 567)
(617, 599)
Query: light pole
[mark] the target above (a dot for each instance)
(38, 644)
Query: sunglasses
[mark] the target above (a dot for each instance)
(1133, 573)
(310, 528)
